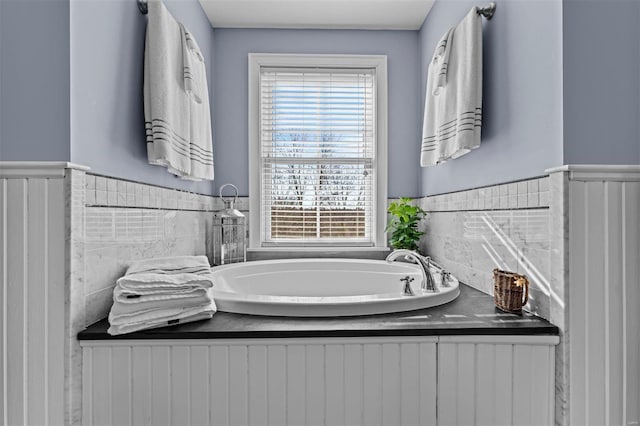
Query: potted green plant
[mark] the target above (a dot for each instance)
(404, 224)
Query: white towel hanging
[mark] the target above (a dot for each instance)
(453, 103)
(177, 117)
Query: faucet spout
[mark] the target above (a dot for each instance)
(428, 283)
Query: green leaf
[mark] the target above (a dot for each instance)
(403, 225)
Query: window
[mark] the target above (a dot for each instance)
(318, 150)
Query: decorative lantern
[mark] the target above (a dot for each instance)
(229, 232)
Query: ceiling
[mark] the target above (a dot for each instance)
(321, 14)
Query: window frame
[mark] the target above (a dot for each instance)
(256, 62)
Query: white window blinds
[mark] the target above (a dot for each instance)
(317, 153)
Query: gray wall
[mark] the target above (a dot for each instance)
(34, 80)
(107, 119)
(71, 82)
(230, 102)
(601, 82)
(522, 94)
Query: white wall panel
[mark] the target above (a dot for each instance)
(32, 275)
(307, 382)
(495, 383)
(477, 380)
(603, 305)
(631, 293)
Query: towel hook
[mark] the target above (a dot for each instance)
(143, 6)
(487, 11)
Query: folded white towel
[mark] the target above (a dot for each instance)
(140, 294)
(453, 104)
(152, 283)
(180, 318)
(171, 265)
(128, 310)
(144, 295)
(195, 84)
(162, 291)
(160, 314)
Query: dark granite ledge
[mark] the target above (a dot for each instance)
(472, 313)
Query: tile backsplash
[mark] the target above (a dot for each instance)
(468, 232)
(116, 236)
(505, 226)
(532, 193)
(124, 221)
(105, 191)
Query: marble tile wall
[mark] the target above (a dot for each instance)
(112, 192)
(531, 193)
(505, 226)
(125, 221)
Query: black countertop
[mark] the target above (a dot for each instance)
(472, 313)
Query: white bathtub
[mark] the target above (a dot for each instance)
(323, 287)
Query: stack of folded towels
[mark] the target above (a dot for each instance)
(159, 292)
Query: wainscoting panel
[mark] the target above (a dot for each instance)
(378, 381)
(603, 314)
(447, 380)
(32, 296)
(486, 381)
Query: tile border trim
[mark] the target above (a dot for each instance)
(528, 194)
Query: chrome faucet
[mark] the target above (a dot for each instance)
(428, 283)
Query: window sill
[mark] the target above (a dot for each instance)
(269, 253)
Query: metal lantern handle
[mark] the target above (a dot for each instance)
(235, 197)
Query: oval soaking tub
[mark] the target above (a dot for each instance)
(324, 287)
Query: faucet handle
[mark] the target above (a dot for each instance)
(407, 285)
(446, 277)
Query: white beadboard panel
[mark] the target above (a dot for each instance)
(391, 383)
(160, 361)
(335, 384)
(296, 384)
(409, 383)
(372, 384)
(180, 385)
(276, 384)
(103, 395)
(262, 382)
(200, 380)
(315, 383)
(258, 391)
(604, 372)
(3, 295)
(495, 384)
(238, 385)
(353, 389)
(15, 314)
(428, 368)
(630, 293)
(219, 382)
(141, 376)
(32, 296)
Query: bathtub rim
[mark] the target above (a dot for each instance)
(330, 306)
